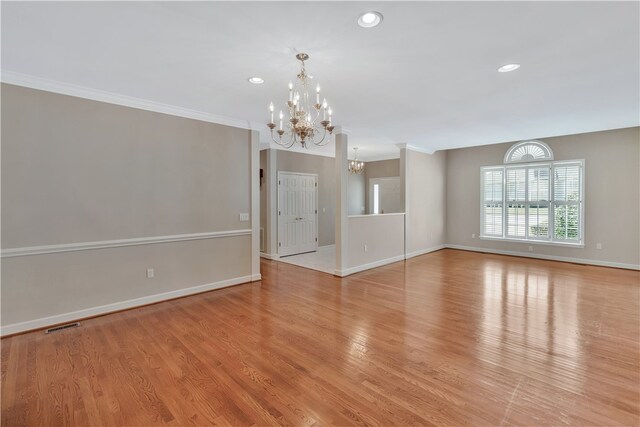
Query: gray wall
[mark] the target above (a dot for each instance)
(379, 169)
(75, 170)
(324, 167)
(425, 200)
(612, 194)
(356, 194)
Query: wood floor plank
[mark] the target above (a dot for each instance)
(448, 338)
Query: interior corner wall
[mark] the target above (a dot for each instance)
(78, 173)
(425, 201)
(356, 194)
(611, 197)
(324, 167)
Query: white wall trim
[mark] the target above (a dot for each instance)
(34, 82)
(254, 162)
(311, 151)
(72, 316)
(424, 251)
(103, 244)
(269, 256)
(327, 247)
(376, 215)
(414, 148)
(547, 257)
(342, 130)
(363, 267)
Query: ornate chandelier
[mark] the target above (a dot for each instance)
(354, 165)
(304, 124)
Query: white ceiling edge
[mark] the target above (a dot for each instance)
(297, 149)
(34, 82)
(414, 148)
(321, 152)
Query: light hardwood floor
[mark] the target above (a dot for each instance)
(449, 338)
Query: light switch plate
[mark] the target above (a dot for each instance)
(244, 217)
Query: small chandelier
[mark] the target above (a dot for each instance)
(304, 124)
(354, 165)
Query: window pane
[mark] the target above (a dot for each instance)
(566, 185)
(538, 221)
(516, 184)
(516, 220)
(376, 198)
(493, 185)
(567, 222)
(493, 219)
(538, 184)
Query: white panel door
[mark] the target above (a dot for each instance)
(297, 213)
(307, 212)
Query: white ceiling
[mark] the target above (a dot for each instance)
(426, 76)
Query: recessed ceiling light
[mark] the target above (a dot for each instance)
(370, 19)
(255, 80)
(508, 67)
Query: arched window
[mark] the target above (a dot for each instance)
(533, 198)
(528, 151)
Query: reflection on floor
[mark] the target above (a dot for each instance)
(322, 260)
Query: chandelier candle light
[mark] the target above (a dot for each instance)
(303, 123)
(354, 165)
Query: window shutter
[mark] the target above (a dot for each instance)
(567, 200)
(538, 192)
(516, 198)
(492, 188)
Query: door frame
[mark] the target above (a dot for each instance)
(278, 205)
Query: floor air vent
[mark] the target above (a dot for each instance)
(61, 327)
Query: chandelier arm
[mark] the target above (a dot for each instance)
(288, 144)
(292, 140)
(320, 143)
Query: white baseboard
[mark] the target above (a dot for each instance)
(363, 267)
(424, 251)
(44, 322)
(269, 256)
(256, 277)
(547, 257)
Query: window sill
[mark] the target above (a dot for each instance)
(534, 242)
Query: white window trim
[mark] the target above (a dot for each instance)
(543, 145)
(550, 241)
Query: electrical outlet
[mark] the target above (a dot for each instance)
(598, 245)
(150, 273)
(473, 235)
(530, 248)
(365, 248)
(324, 210)
(244, 217)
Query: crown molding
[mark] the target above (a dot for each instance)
(34, 82)
(414, 148)
(297, 149)
(341, 130)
